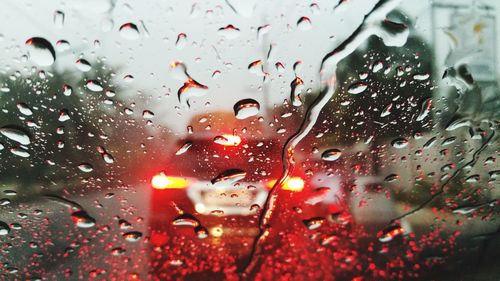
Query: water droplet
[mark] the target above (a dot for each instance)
(363, 75)
(9, 192)
(216, 74)
(473, 179)
(494, 174)
(281, 130)
(430, 142)
(67, 90)
(15, 134)
(227, 140)
(147, 114)
(331, 154)
(185, 220)
(124, 225)
(421, 76)
(425, 109)
(314, 223)
(459, 123)
(297, 86)
(191, 88)
(184, 148)
(279, 67)
(63, 115)
(21, 152)
(94, 85)
(304, 23)
(357, 88)
(465, 210)
(448, 141)
(391, 178)
(110, 93)
(256, 67)
(246, 108)
(129, 31)
(41, 51)
(82, 219)
(4, 228)
(377, 66)
(254, 207)
(128, 78)
(262, 30)
(59, 19)
(83, 65)
(201, 232)
(85, 167)
(390, 233)
(5, 202)
(118, 251)
(132, 236)
(386, 111)
(24, 109)
(399, 143)
(181, 40)
(228, 177)
(229, 32)
(62, 45)
(108, 158)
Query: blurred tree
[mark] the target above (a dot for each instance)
(397, 81)
(73, 119)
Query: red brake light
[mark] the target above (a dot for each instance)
(162, 181)
(295, 184)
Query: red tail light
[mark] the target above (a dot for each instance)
(162, 181)
(295, 184)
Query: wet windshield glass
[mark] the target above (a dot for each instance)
(249, 140)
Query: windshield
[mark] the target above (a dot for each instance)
(249, 140)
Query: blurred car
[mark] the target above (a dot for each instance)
(212, 180)
(217, 185)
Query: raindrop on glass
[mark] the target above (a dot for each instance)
(24, 109)
(357, 88)
(246, 108)
(304, 23)
(229, 32)
(331, 154)
(15, 134)
(129, 31)
(185, 220)
(85, 167)
(41, 51)
(4, 228)
(94, 85)
(82, 219)
(83, 65)
(59, 19)
(399, 143)
(132, 236)
(184, 148)
(228, 177)
(314, 223)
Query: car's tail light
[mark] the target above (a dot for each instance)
(227, 140)
(294, 184)
(162, 181)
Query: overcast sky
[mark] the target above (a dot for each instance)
(206, 50)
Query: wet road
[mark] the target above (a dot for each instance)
(45, 242)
